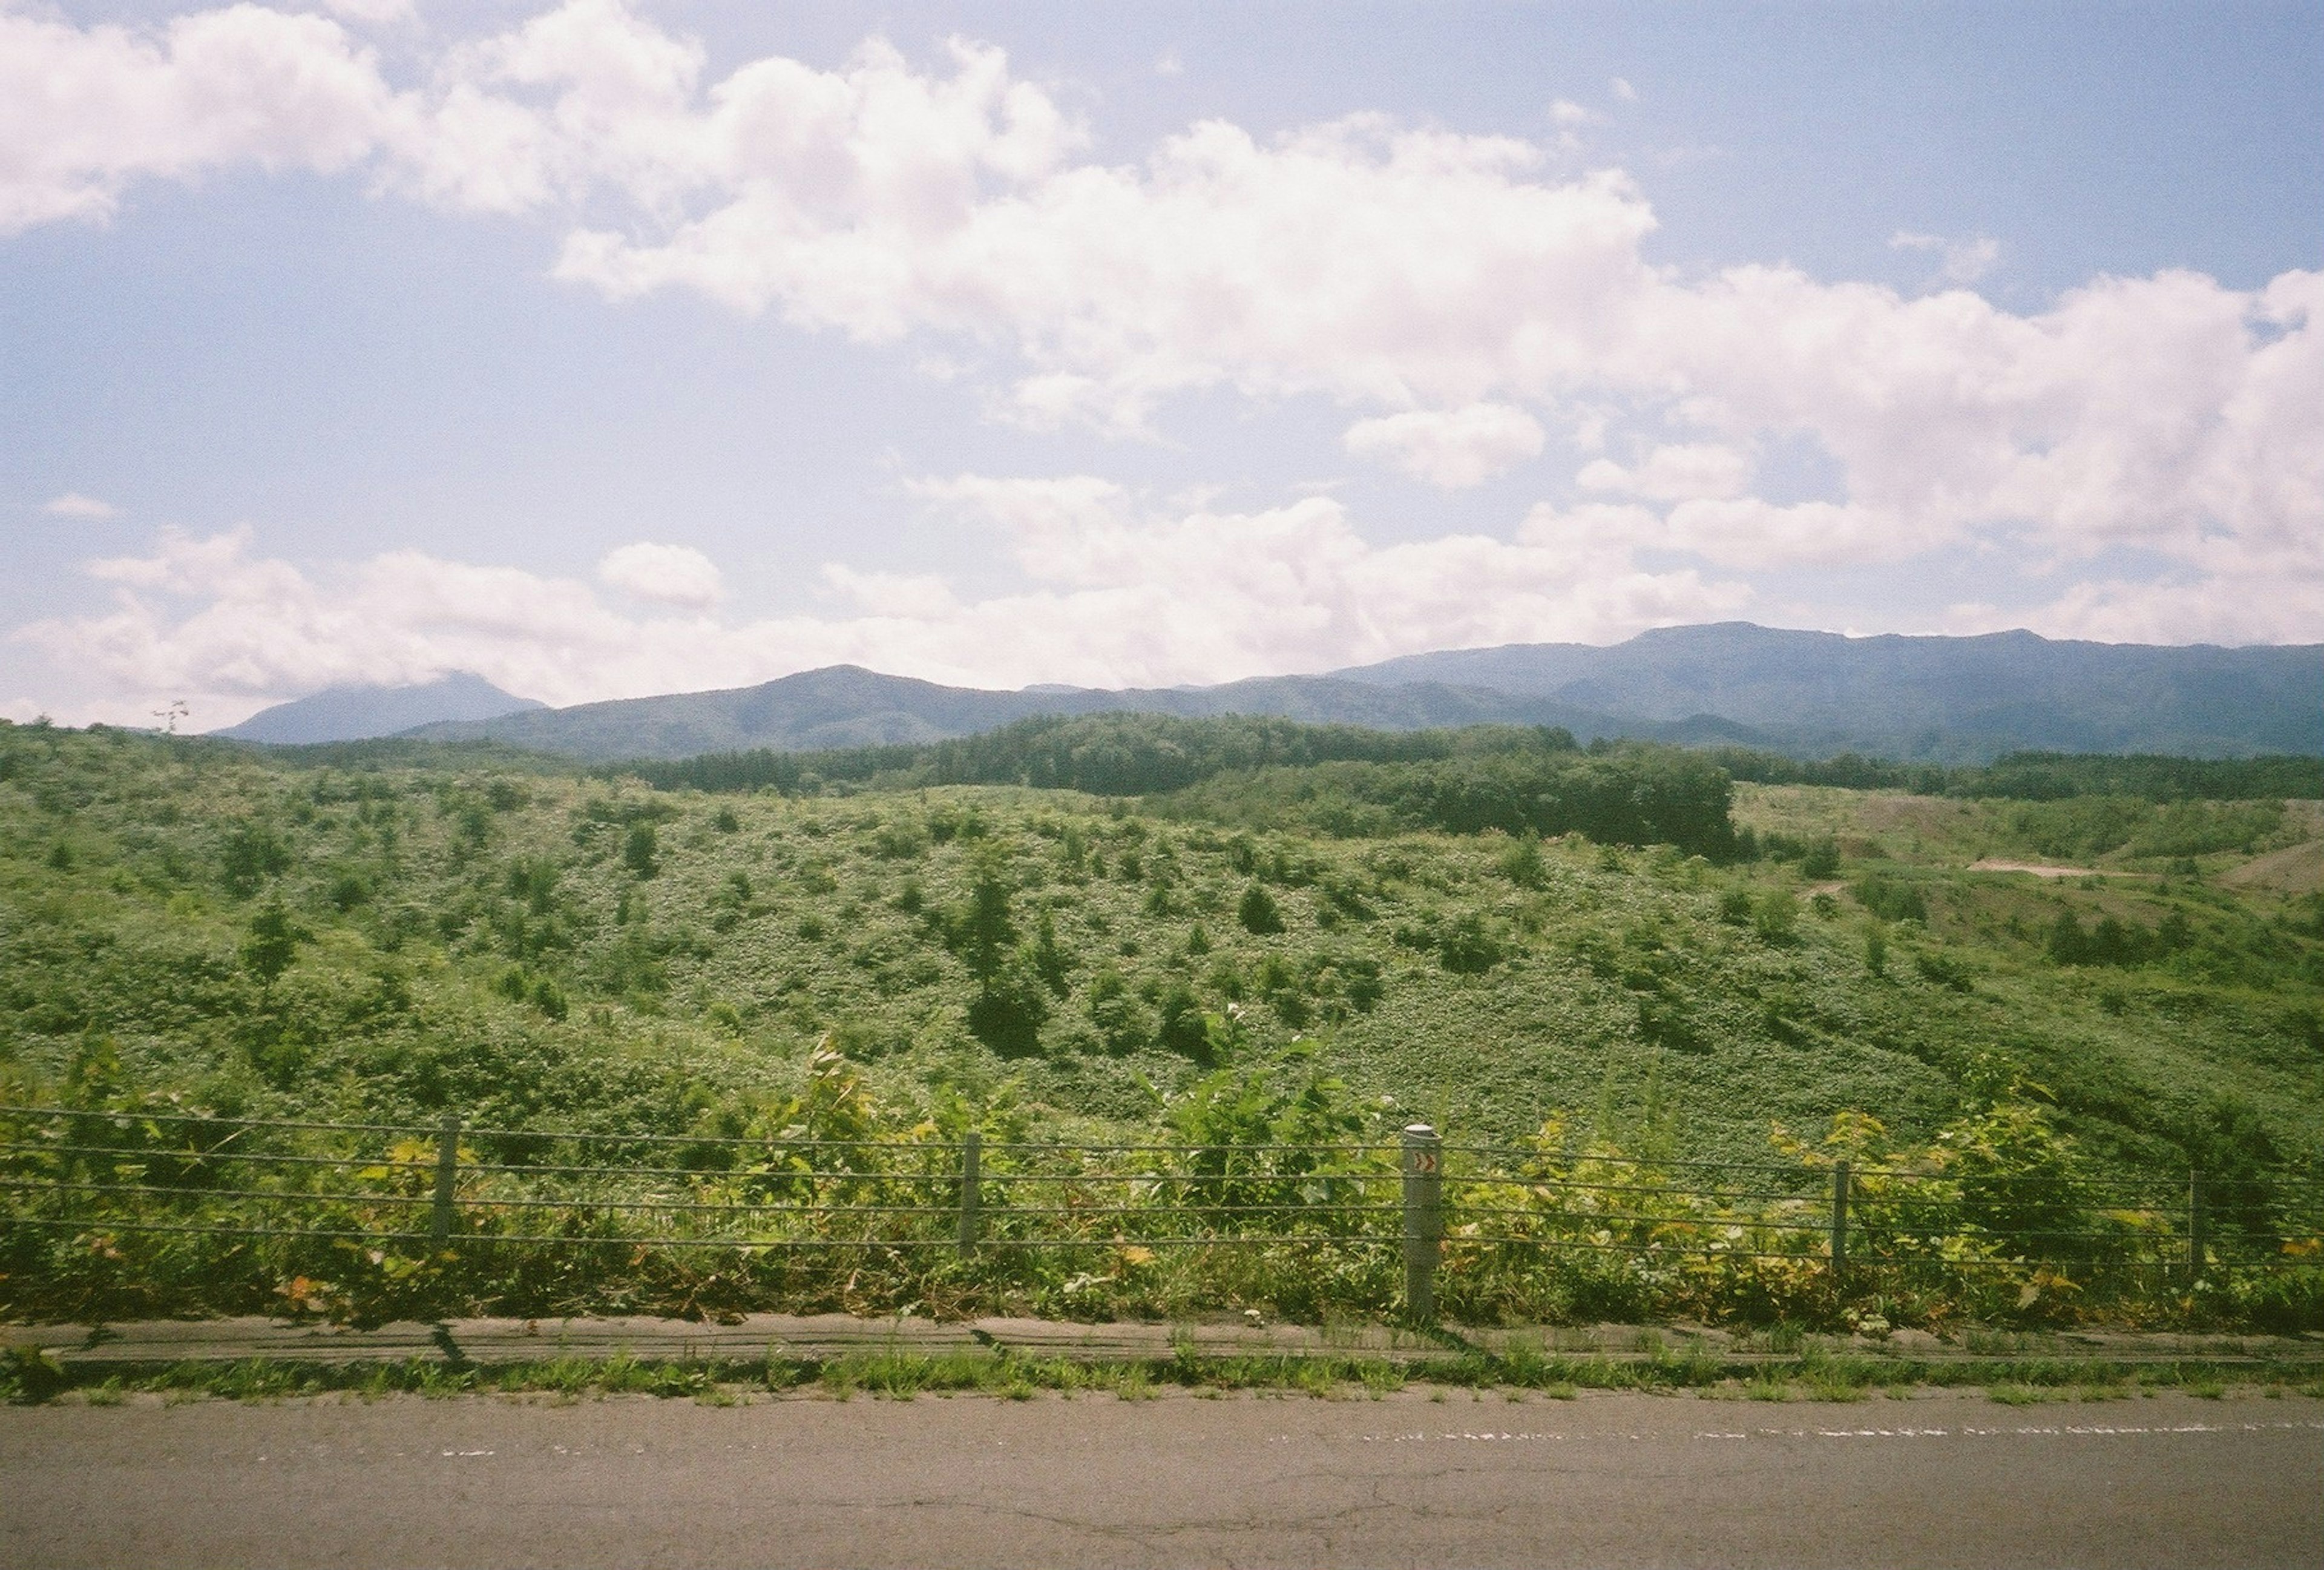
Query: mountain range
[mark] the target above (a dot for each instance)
(354, 713)
(1809, 694)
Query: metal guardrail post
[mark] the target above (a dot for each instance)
(448, 1172)
(2196, 1225)
(1423, 1220)
(1838, 1217)
(972, 1167)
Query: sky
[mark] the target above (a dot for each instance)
(607, 349)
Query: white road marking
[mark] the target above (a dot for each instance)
(2078, 1430)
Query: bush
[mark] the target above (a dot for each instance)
(1258, 911)
(1889, 899)
(638, 850)
(1467, 947)
(1008, 1010)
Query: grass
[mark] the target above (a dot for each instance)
(903, 1377)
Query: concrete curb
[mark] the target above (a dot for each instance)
(823, 1337)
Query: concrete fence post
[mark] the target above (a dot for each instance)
(448, 1172)
(1423, 1220)
(1838, 1217)
(2197, 1225)
(972, 1174)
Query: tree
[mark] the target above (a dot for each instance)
(639, 851)
(1258, 911)
(272, 944)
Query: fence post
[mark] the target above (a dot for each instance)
(2195, 1220)
(1838, 1217)
(972, 1166)
(1423, 1220)
(448, 1171)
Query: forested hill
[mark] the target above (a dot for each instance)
(1277, 773)
(1939, 699)
(848, 706)
(347, 713)
(1804, 694)
(1133, 754)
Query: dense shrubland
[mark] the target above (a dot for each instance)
(1495, 931)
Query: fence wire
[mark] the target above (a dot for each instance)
(87, 1181)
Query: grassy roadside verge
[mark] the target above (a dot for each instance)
(30, 1378)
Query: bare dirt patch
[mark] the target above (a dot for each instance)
(1995, 865)
(1882, 813)
(2296, 869)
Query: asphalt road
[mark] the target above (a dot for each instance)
(1604, 1480)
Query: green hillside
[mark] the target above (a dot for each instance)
(388, 931)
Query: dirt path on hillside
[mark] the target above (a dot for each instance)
(2044, 870)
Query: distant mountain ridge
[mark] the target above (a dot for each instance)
(354, 714)
(1917, 698)
(1809, 694)
(846, 706)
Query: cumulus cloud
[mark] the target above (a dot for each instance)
(1673, 473)
(1142, 599)
(85, 112)
(1450, 448)
(1746, 532)
(372, 13)
(1960, 261)
(1449, 290)
(2227, 609)
(669, 575)
(73, 504)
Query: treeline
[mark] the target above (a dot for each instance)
(1262, 771)
(1106, 754)
(1621, 795)
(2043, 776)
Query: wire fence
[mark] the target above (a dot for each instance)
(101, 1205)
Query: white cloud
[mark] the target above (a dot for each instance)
(2228, 610)
(1398, 270)
(669, 575)
(1450, 448)
(83, 112)
(1963, 262)
(73, 504)
(1745, 532)
(1130, 599)
(372, 13)
(1674, 473)
(1061, 527)
(1623, 90)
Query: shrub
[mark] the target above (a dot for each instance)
(1891, 901)
(1777, 919)
(638, 850)
(1467, 947)
(1258, 911)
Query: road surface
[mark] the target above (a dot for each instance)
(1179, 1480)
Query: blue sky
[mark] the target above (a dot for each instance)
(611, 349)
